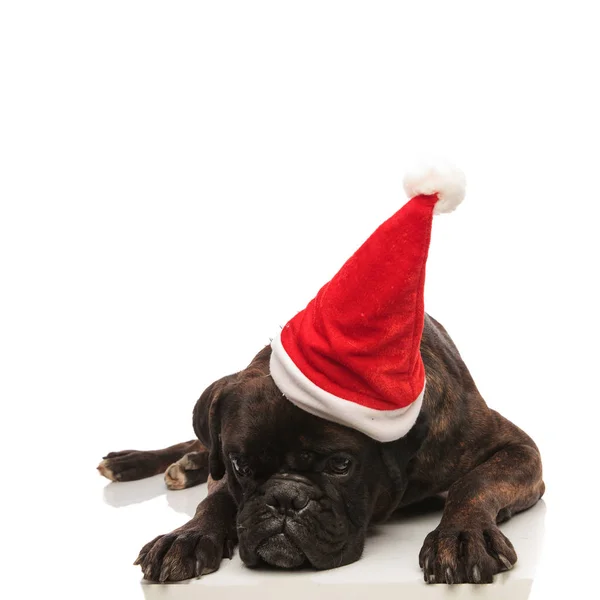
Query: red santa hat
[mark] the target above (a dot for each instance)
(352, 356)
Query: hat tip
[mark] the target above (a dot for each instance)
(443, 179)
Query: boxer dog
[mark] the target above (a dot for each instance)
(291, 489)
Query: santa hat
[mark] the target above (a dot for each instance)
(352, 356)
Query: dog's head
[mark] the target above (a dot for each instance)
(306, 488)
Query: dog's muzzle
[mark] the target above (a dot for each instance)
(289, 494)
(287, 497)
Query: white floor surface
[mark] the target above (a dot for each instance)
(135, 512)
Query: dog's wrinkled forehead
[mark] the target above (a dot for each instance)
(257, 415)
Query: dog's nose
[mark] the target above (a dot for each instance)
(287, 497)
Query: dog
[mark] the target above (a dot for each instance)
(291, 489)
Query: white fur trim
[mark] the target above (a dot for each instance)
(381, 425)
(445, 180)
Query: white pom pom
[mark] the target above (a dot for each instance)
(445, 180)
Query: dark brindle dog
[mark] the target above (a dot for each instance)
(290, 488)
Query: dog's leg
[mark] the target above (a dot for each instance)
(467, 546)
(197, 547)
(129, 465)
(190, 470)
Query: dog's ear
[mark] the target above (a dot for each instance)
(207, 423)
(396, 456)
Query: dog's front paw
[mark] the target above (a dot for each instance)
(183, 554)
(451, 555)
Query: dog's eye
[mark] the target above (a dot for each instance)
(241, 466)
(339, 465)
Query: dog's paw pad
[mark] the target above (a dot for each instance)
(129, 465)
(175, 476)
(188, 471)
(105, 470)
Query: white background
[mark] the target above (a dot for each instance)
(178, 179)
